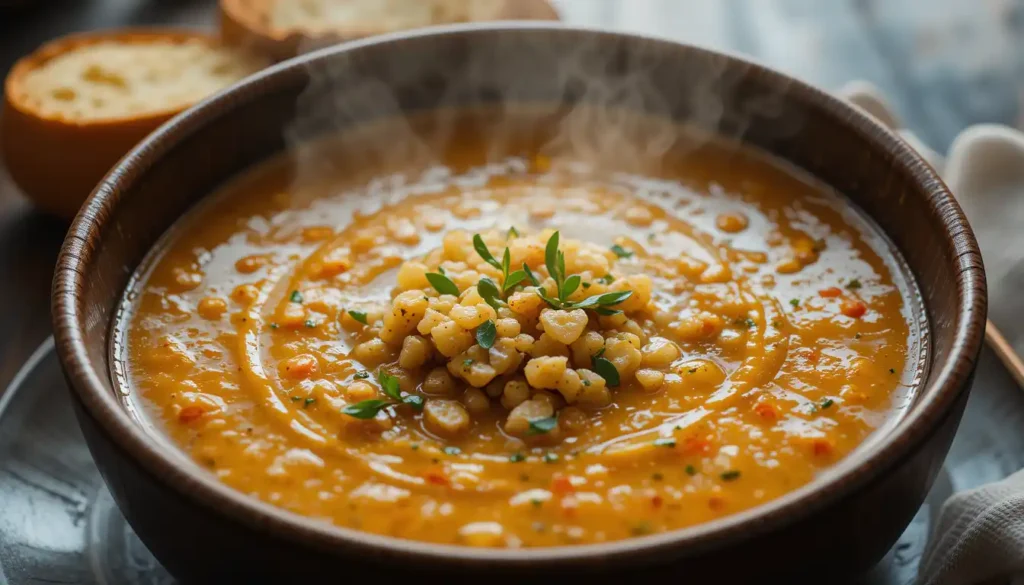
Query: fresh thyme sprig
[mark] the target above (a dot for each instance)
(368, 409)
(554, 260)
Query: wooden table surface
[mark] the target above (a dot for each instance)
(945, 64)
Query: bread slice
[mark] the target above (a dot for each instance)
(75, 106)
(285, 28)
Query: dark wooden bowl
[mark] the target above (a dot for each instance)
(204, 531)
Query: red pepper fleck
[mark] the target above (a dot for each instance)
(716, 502)
(562, 485)
(766, 411)
(822, 447)
(831, 292)
(657, 501)
(437, 478)
(191, 413)
(854, 309)
(696, 445)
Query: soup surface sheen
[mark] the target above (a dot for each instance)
(287, 337)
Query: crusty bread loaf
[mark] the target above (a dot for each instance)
(284, 28)
(74, 107)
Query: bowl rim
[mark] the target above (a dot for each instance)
(945, 384)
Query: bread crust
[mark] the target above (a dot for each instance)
(244, 23)
(57, 162)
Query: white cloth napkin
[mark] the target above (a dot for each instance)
(978, 537)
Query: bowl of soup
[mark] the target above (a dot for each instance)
(510, 301)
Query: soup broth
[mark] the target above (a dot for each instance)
(362, 344)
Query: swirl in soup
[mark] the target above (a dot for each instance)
(523, 353)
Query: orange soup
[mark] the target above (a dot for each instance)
(525, 350)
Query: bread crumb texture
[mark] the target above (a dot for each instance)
(321, 16)
(116, 79)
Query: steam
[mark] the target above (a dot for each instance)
(606, 102)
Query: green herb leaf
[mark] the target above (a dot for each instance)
(307, 402)
(665, 442)
(691, 470)
(358, 316)
(541, 426)
(853, 284)
(621, 252)
(570, 285)
(389, 384)
(440, 270)
(296, 398)
(561, 266)
(295, 297)
(607, 312)
(605, 300)
(512, 280)
(555, 304)
(488, 290)
(442, 284)
(827, 403)
(606, 279)
(517, 458)
(362, 375)
(730, 475)
(512, 232)
(551, 257)
(452, 450)
(529, 274)
(599, 353)
(506, 262)
(794, 302)
(486, 333)
(415, 401)
(481, 249)
(366, 409)
(606, 370)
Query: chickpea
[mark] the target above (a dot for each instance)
(415, 352)
(546, 372)
(518, 422)
(572, 419)
(372, 353)
(447, 418)
(359, 391)
(438, 382)
(407, 310)
(701, 373)
(515, 393)
(584, 348)
(450, 339)
(413, 275)
(471, 317)
(659, 353)
(548, 346)
(564, 326)
(476, 401)
(650, 380)
(430, 320)
(507, 327)
(593, 390)
(212, 308)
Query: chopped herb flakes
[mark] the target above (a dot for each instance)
(451, 450)
(691, 470)
(308, 401)
(295, 297)
(543, 425)
(362, 375)
(310, 323)
(358, 316)
(730, 475)
(794, 302)
(517, 458)
(665, 442)
(621, 252)
(853, 284)
(827, 403)
(550, 457)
